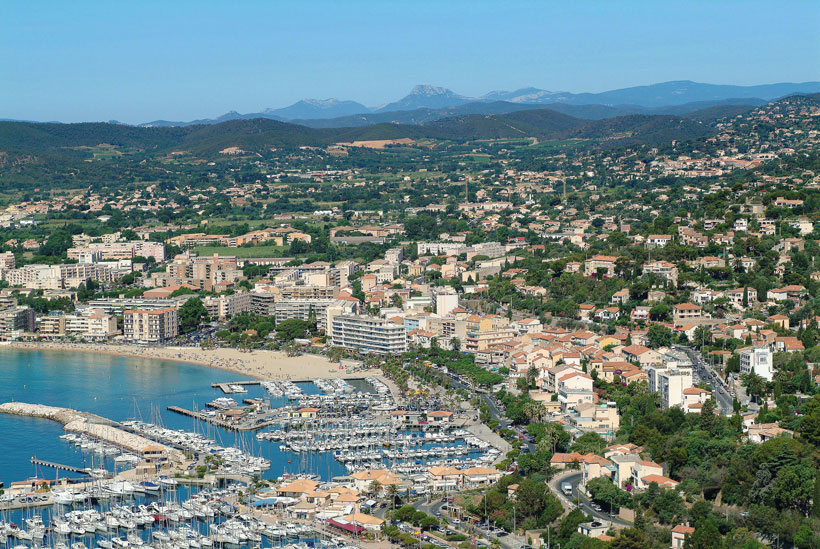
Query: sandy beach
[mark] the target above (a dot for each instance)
(255, 364)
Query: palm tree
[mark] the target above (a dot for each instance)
(393, 493)
(375, 488)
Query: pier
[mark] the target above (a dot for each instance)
(241, 424)
(23, 503)
(60, 466)
(93, 426)
(226, 387)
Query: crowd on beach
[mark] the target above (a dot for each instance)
(258, 364)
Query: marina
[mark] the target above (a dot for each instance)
(182, 479)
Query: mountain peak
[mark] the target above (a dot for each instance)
(430, 91)
(324, 103)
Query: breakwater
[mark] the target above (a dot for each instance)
(95, 427)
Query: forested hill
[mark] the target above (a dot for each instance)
(261, 134)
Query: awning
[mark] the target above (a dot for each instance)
(264, 502)
(352, 528)
(274, 501)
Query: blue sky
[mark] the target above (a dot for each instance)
(142, 60)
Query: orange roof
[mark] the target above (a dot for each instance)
(574, 374)
(659, 480)
(440, 413)
(566, 458)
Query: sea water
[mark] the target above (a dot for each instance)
(118, 388)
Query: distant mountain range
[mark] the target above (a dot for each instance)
(260, 134)
(426, 103)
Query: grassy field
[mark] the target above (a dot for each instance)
(256, 251)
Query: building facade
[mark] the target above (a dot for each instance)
(368, 334)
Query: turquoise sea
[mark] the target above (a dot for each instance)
(118, 388)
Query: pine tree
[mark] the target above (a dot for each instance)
(815, 507)
(707, 416)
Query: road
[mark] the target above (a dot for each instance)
(434, 505)
(575, 480)
(709, 376)
(496, 411)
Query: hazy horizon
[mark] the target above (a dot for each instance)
(95, 61)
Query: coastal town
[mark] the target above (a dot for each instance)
(490, 342)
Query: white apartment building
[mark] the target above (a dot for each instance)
(444, 301)
(68, 275)
(670, 383)
(757, 360)
(117, 305)
(107, 251)
(6, 261)
(394, 256)
(368, 334)
(89, 323)
(302, 309)
(151, 326)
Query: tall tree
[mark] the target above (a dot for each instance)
(192, 314)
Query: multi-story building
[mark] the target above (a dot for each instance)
(670, 383)
(444, 301)
(225, 306)
(101, 325)
(107, 251)
(394, 255)
(663, 269)
(600, 263)
(757, 360)
(52, 325)
(575, 388)
(303, 309)
(601, 418)
(151, 326)
(736, 296)
(116, 305)
(308, 292)
(68, 275)
(6, 261)
(480, 341)
(88, 323)
(263, 303)
(209, 272)
(684, 312)
(15, 321)
(368, 334)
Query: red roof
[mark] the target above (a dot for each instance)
(346, 526)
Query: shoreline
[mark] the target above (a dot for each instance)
(257, 364)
